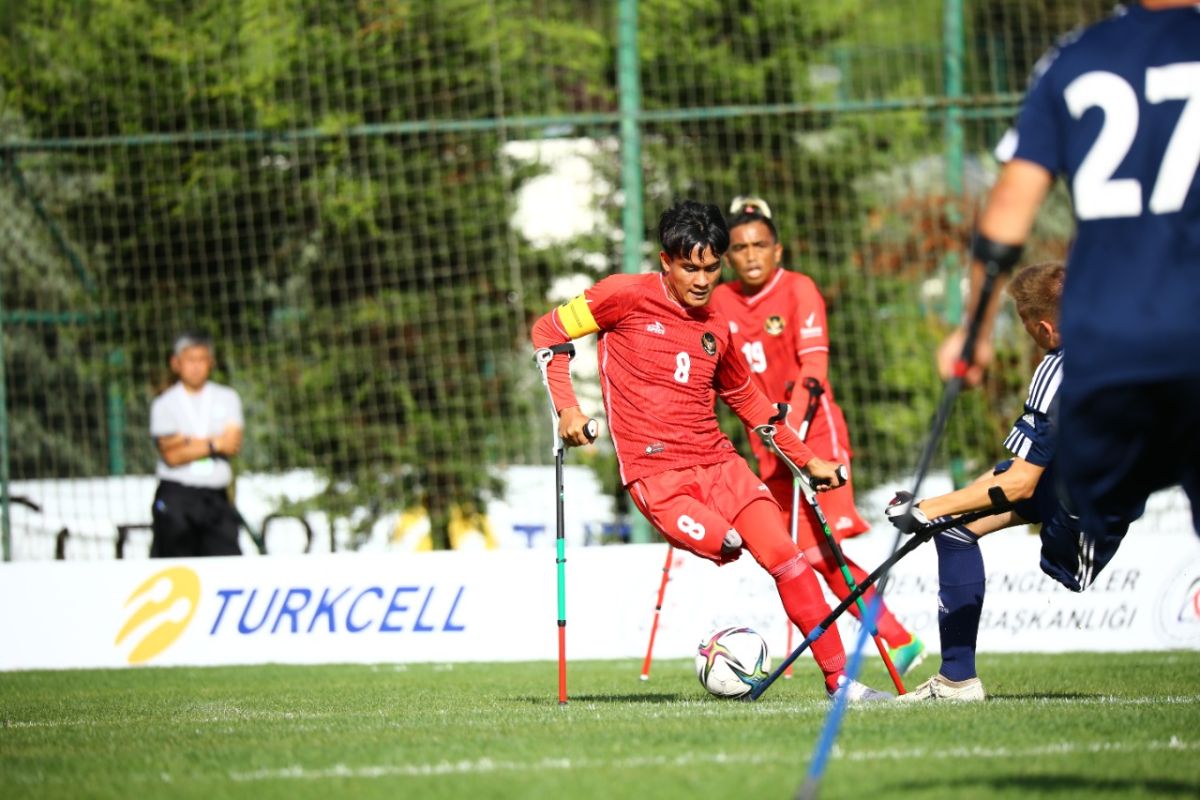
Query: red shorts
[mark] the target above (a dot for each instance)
(837, 505)
(693, 507)
(829, 439)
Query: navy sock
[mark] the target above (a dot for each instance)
(960, 600)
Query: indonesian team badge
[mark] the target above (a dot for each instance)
(709, 343)
(773, 325)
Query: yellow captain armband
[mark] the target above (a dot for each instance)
(577, 318)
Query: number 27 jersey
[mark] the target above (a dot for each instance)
(1116, 109)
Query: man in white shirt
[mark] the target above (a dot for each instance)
(197, 426)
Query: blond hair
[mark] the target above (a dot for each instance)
(1037, 290)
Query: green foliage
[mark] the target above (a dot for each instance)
(322, 185)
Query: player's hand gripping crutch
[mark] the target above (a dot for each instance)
(801, 480)
(543, 357)
(815, 390)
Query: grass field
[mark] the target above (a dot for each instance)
(1082, 725)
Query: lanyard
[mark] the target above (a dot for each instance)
(200, 420)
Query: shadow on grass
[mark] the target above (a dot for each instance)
(645, 699)
(1048, 696)
(1052, 784)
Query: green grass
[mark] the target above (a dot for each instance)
(1096, 726)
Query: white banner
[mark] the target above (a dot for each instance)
(501, 605)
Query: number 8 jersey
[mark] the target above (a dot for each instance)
(661, 367)
(1116, 109)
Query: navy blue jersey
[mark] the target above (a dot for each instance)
(1034, 437)
(1115, 109)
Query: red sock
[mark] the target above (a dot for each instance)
(805, 605)
(888, 626)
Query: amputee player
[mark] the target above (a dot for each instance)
(1115, 108)
(1028, 480)
(777, 318)
(665, 355)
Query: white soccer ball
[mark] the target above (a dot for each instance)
(730, 662)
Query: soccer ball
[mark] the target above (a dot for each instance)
(732, 661)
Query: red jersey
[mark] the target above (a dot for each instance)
(781, 333)
(662, 366)
(780, 330)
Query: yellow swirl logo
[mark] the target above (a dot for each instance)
(162, 608)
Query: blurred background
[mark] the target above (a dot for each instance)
(367, 204)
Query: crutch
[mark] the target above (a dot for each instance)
(996, 259)
(658, 604)
(543, 357)
(801, 480)
(919, 538)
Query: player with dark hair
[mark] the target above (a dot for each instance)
(777, 318)
(197, 425)
(665, 355)
(1028, 481)
(1115, 108)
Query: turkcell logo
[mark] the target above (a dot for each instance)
(301, 610)
(161, 609)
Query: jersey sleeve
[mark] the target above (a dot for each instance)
(598, 308)
(1034, 437)
(162, 421)
(1037, 133)
(812, 336)
(236, 415)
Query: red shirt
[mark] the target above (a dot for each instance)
(781, 333)
(661, 367)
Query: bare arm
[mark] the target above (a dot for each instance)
(1007, 219)
(1018, 482)
(177, 449)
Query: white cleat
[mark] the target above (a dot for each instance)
(939, 688)
(859, 692)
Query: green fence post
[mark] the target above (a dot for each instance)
(952, 266)
(116, 415)
(633, 221)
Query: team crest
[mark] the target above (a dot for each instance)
(773, 325)
(709, 343)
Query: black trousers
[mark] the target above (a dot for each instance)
(189, 521)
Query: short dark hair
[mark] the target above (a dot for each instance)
(746, 210)
(687, 225)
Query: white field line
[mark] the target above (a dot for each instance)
(686, 708)
(487, 765)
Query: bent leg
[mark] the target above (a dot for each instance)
(761, 528)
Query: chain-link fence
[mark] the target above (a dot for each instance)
(367, 203)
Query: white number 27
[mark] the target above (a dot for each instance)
(1096, 194)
